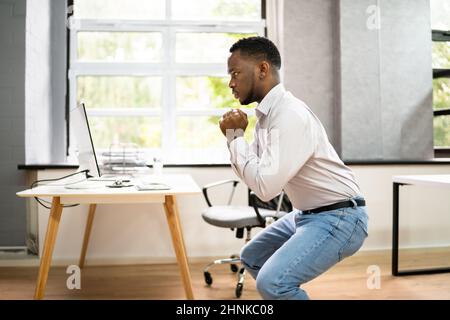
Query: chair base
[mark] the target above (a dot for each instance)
(234, 268)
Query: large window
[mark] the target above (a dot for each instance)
(440, 23)
(153, 72)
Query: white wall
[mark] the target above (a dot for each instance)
(139, 233)
(38, 83)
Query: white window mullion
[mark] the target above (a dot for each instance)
(168, 123)
(168, 10)
(72, 74)
(220, 28)
(168, 135)
(181, 25)
(72, 89)
(119, 25)
(73, 47)
(117, 68)
(123, 112)
(72, 105)
(209, 112)
(202, 69)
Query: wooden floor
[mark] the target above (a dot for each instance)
(346, 280)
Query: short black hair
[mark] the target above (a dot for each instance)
(260, 48)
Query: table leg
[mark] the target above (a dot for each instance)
(395, 220)
(87, 234)
(172, 214)
(49, 244)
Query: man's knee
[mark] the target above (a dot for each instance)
(270, 288)
(266, 286)
(273, 286)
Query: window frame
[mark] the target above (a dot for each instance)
(168, 69)
(441, 36)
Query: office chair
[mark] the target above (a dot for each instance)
(257, 214)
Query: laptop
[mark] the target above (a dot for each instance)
(87, 157)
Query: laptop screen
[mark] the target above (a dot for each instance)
(87, 158)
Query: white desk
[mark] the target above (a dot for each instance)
(439, 181)
(180, 185)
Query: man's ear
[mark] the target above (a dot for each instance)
(264, 69)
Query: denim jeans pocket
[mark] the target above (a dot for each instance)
(363, 226)
(355, 241)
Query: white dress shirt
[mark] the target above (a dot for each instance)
(291, 151)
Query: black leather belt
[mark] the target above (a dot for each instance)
(338, 205)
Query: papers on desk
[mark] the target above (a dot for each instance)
(86, 184)
(152, 186)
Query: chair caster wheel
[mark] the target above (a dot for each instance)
(239, 288)
(234, 267)
(208, 278)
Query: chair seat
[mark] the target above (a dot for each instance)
(236, 216)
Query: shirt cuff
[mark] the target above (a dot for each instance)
(231, 138)
(235, 140)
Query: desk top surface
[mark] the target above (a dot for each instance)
(437, 180)
(181, 184)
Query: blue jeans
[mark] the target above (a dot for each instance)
(297, 248)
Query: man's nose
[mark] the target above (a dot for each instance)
(231, 84)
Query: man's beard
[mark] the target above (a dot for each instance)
(250, 96)
(247, 101)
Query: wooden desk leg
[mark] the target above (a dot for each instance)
(87, 234)
(49, 244)
(173, 219)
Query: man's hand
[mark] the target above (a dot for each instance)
(234, 123)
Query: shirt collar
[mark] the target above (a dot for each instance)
(270, 99)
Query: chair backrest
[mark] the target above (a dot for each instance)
(273, 204)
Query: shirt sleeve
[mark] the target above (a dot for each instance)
(290, 143)
(253, 147)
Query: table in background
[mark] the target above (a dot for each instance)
(442, 181)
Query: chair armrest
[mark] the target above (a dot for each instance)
(280, 202)
(215, 184)
(218, 183)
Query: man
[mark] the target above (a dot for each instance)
(291, 152)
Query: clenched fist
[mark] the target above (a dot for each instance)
(234, 123)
